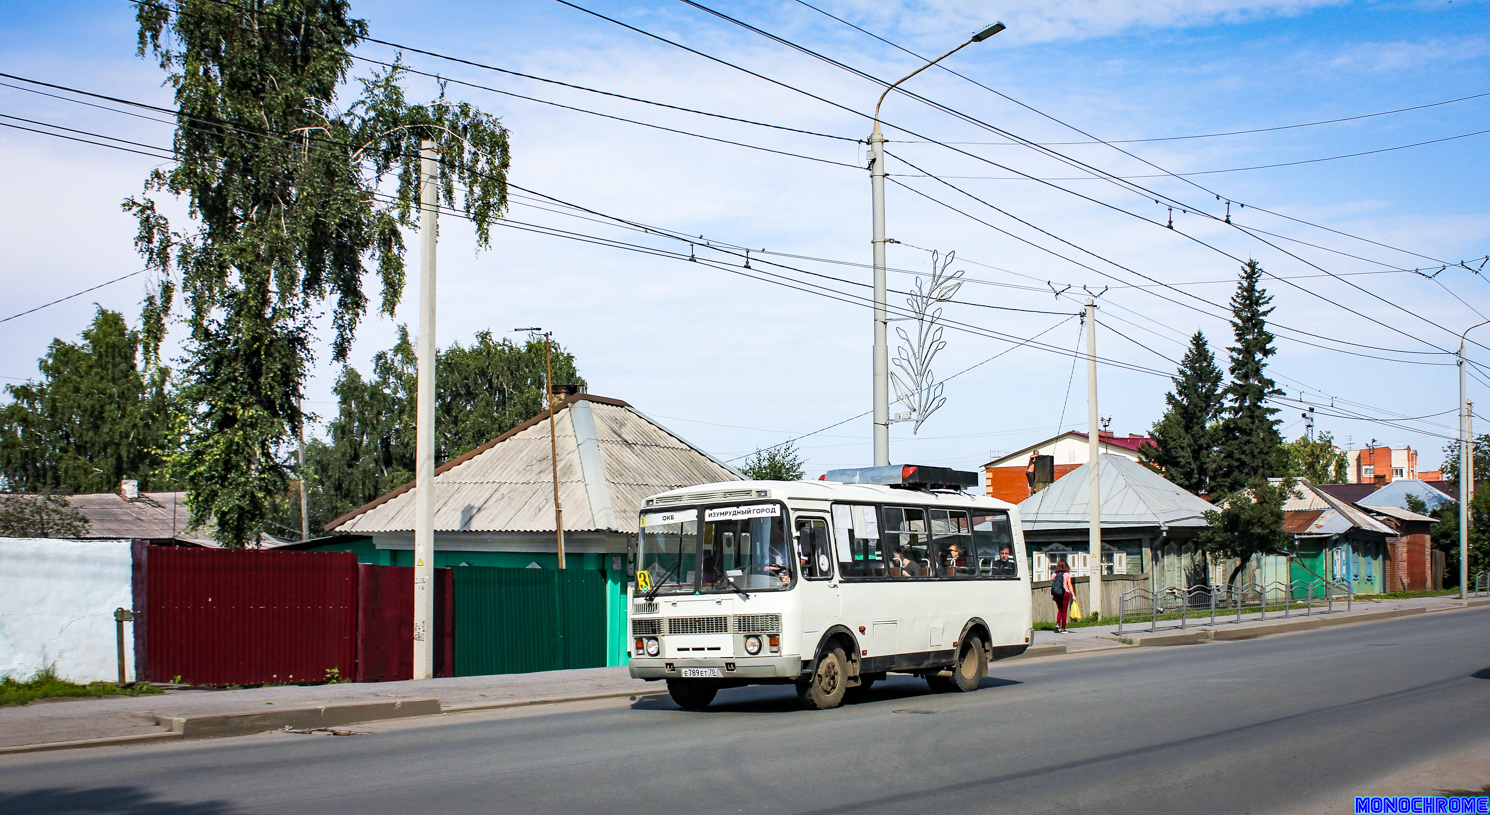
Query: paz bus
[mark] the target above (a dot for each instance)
(827, 585)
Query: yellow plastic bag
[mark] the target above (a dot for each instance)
(1075, 608)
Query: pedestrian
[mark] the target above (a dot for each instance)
(1062, 592)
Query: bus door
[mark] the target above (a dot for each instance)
(820, 604)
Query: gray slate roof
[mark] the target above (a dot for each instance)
(1394, 494)
(154, 515)
(1132, 496)
(611, 457)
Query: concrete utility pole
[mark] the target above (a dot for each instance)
(881, 316)
(1094, 447)
(1466, 469)
(424, 436)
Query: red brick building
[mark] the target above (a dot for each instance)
(1008, 477)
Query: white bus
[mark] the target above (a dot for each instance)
(828, 585)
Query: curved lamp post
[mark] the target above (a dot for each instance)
(881, 322)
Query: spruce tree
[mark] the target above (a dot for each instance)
(1184, 437)
(1249, 445)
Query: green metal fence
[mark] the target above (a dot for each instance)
(524, 620)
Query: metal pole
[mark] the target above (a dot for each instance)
(304, 498)
(881, 324)
(424, 436)
(881, 317)
(1094, 447)
(553, 441)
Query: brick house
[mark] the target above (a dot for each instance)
(1382, 465)
(1008, 478)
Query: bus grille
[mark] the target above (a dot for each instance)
(758, 623)
(703, 497)
(646, 628)
(698, 625)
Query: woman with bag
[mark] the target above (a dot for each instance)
(1062, 592)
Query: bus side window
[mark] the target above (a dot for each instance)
(994, 543)
(953, 543)
(907, 542)
(859, 550)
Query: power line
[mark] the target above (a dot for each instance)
(73, 295)
(1025, 142)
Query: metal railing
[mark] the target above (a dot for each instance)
(1481, 583)
(1204, 601)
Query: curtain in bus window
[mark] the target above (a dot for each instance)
(994, 544)
(952, 540)
(859, 551)
(907, 542)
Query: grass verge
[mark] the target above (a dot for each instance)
(45, 684)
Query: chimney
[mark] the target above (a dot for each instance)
(130, 489)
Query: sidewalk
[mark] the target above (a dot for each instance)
(184, 714)
(1197, 628)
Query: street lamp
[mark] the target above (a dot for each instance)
(881, 319)
(1466, 470)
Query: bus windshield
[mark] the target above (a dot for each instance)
(743, 548)
(740, 549)
(666, 551)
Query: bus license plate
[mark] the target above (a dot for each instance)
(701, 673)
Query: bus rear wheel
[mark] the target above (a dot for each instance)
(824, 691)
(692, 694)
(971, 667)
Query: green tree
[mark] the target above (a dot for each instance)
(1249, 445)
(779, 463)
(1249, 523)
(1479, 449)
(1317, 460)
(288, 192)
(483, 390)
(1185, 436)
(40, 515)
(95, 418)
(1446, 536)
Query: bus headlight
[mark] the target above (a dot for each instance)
(752, 645)
(653, 649)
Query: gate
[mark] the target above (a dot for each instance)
(525, 620)
(225, 617)
(385, 623)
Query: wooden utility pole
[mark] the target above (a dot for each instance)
(553, 439)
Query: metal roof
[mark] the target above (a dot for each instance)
(1394, 494)
(1400, 513)
(154, 515)
(1328, 515)
(1132, 496)
(610, 458)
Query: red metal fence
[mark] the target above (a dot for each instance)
(385, 623)
(220, 617)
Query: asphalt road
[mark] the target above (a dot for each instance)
(1244, 727)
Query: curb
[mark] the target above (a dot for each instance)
(1037, 651)
(242, 724)
(107, 741)
(555, 701)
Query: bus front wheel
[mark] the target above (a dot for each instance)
(824, 691)
(692, 694)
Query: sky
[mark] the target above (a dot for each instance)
(738, 359)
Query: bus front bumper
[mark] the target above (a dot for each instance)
(737, 668)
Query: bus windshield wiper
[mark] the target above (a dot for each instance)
(656, 587)
(736, 587)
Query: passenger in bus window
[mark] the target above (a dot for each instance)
(955, 561)
(1005, 564)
